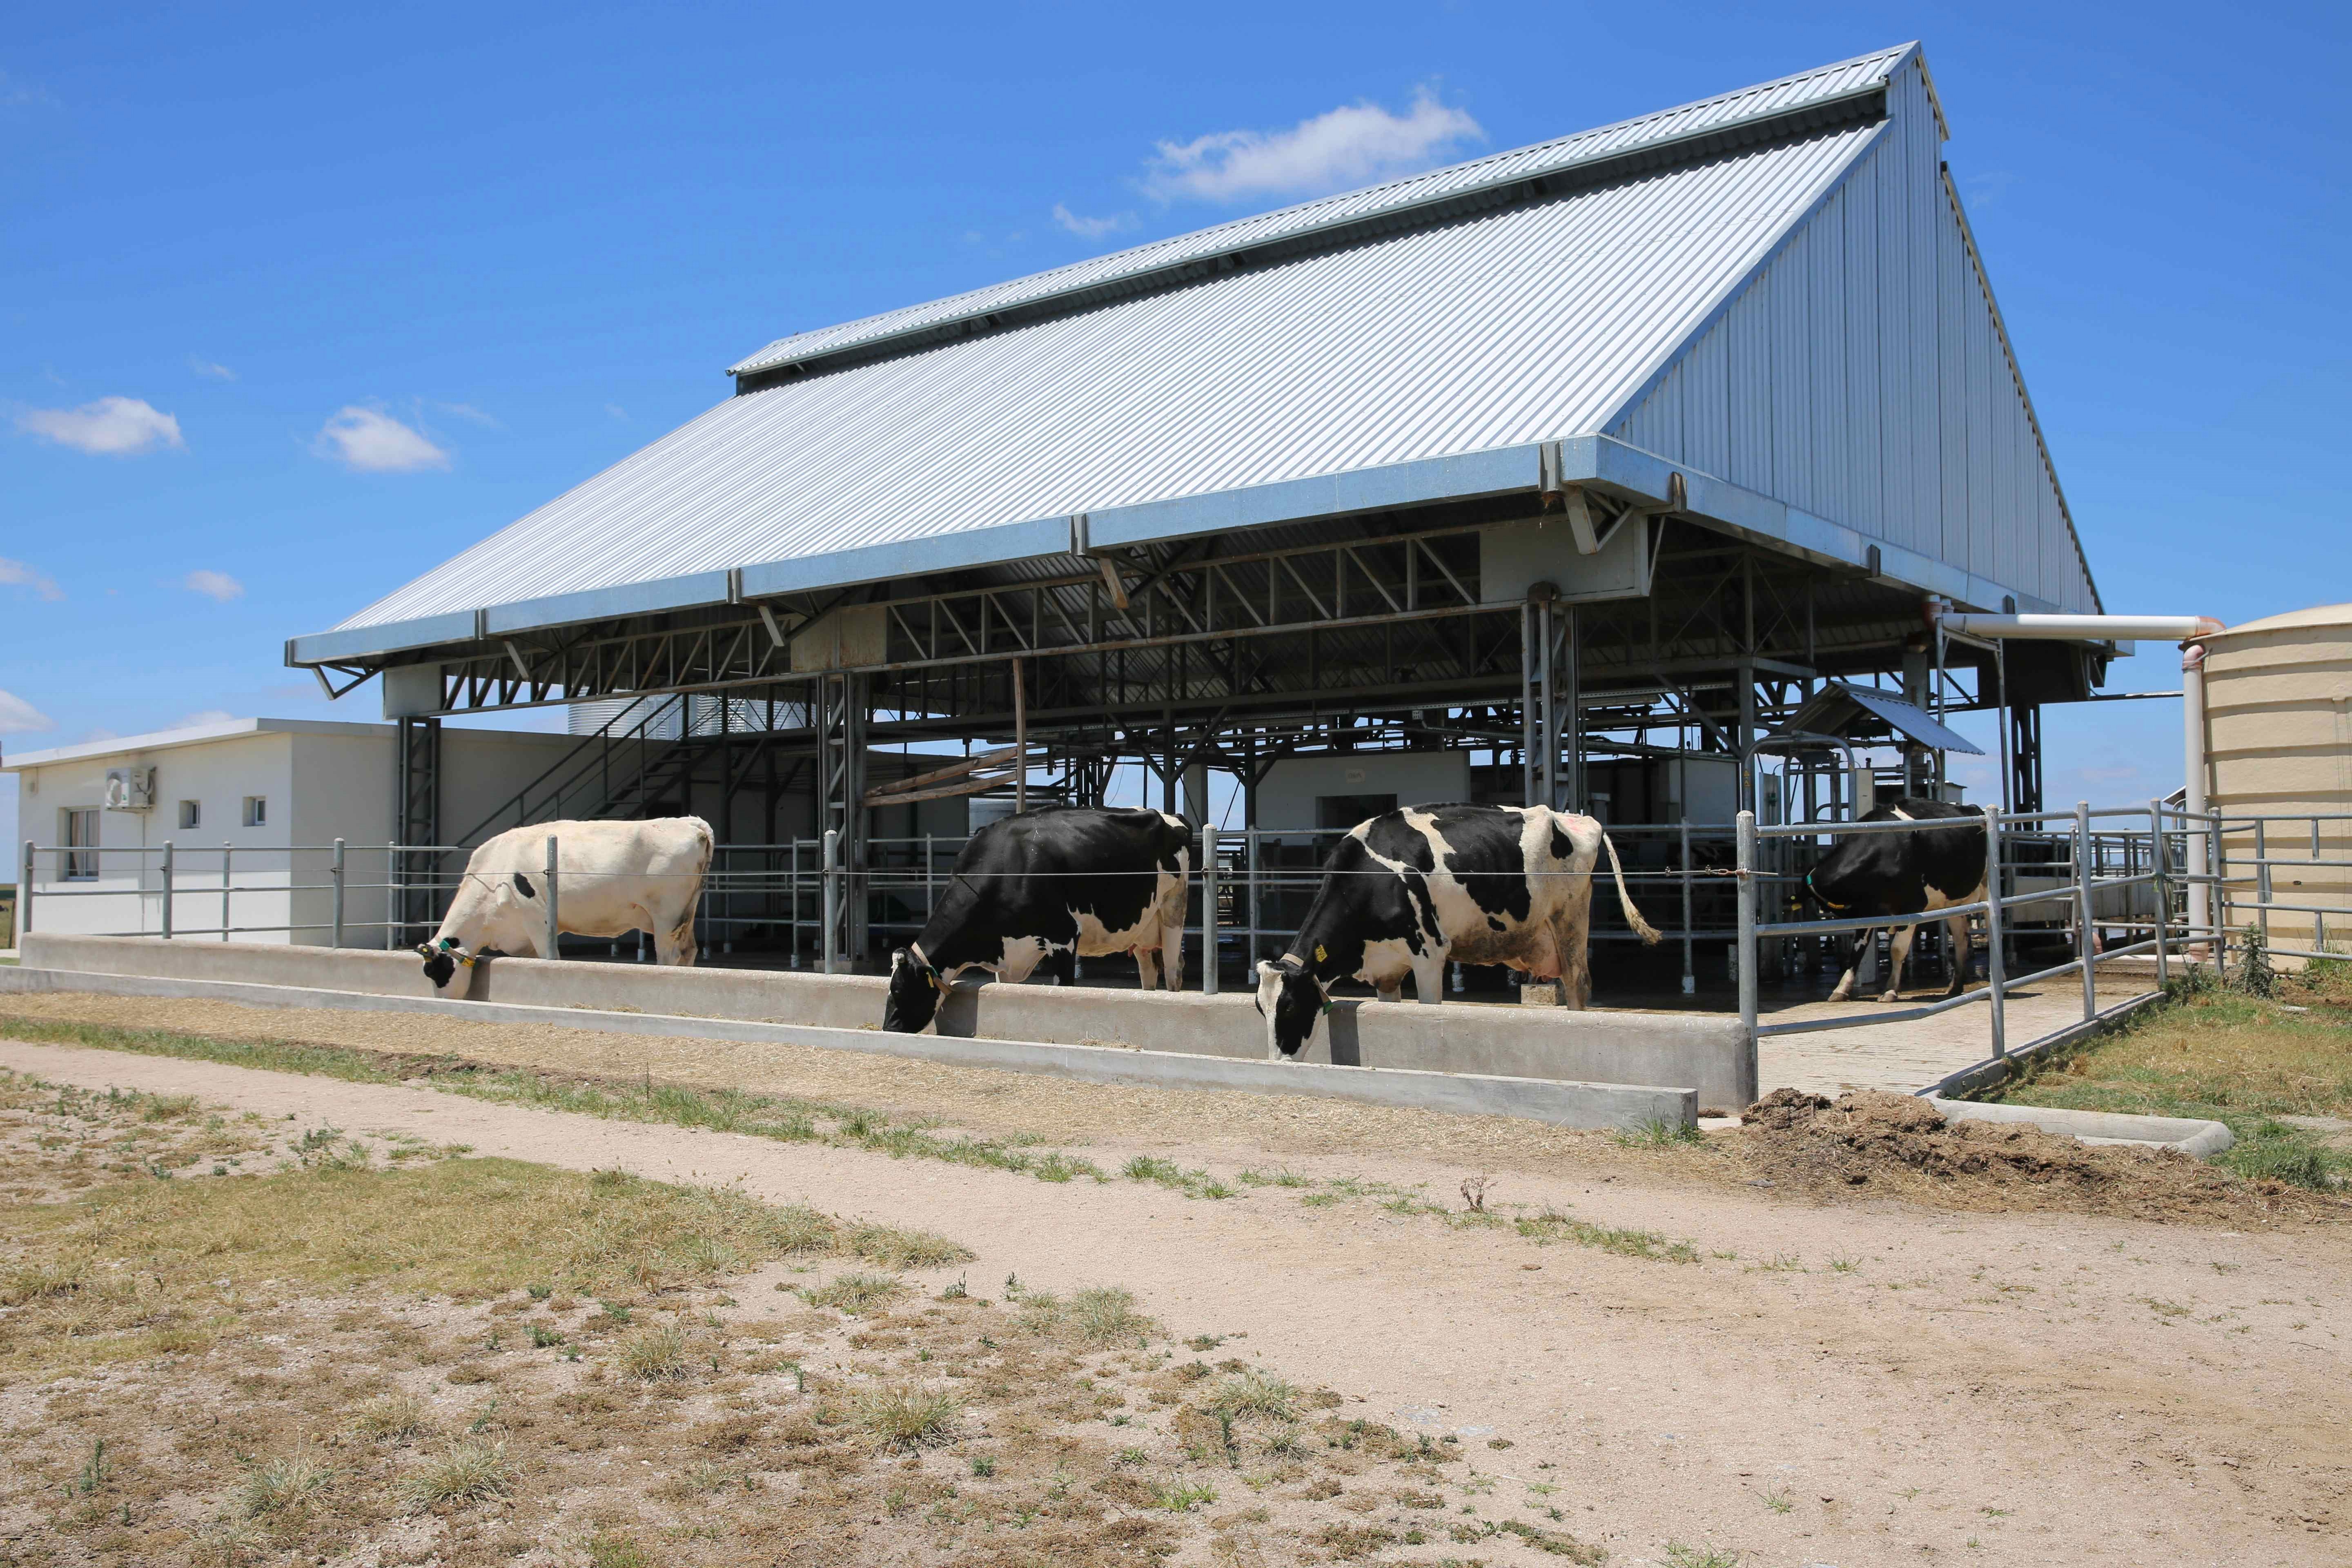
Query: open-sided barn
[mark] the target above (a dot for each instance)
(1592, 460)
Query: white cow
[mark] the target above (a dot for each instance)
(612, 878)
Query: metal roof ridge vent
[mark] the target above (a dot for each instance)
(1614, 168)
(1163, 263)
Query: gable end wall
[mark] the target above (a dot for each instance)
(1864, 376)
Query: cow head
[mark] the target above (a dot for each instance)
(916, 987)
(1291, 999)
(447, 963)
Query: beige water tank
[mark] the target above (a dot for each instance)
(2278, 715)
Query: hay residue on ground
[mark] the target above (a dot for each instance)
(1902, 1146)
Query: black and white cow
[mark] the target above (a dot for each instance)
(1905, 874)
(1412, 890)
(1051, 886)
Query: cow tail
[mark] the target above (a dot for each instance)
(1649, 934)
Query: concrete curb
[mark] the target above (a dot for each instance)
(1560, 1103)
(1709, 1054)
(2188, 1135)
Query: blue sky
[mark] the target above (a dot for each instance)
(296, 303)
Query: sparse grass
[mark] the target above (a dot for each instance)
(1253, 1393)
(284, 1483)
(1656, 1133)
(653, 1353)
(469, 1470)
(380, 1281)
(1553, 1225)
(1681, 1556)
(2236, 1059)
(1097, 1315)
(391, 1418)
(905, 1416)
(784, 1117)
(855, 1291)
(1181, 1497)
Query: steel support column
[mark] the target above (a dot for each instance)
(417, 819)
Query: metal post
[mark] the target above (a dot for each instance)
(1743, 951)
(1253, 856)
(1996, 970)
(1208, 909)
(166, 920)
(2156, 858)
(830, 952)
(227, 850)
(336, 871)
(2084, 943)
(1020, 742)
(2217, 905)
(554, 929)
(393, 935)
(25, 896)
(930, 881)
(1690, 972)
(2261, 881)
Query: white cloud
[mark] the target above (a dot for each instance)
(467, 411)
(616, 411)
(213, 585)
(111, 426)
(1353, 144)
(372, 442)
(15, 573)
(200, 717)
(1092, 227)
(211, 370)
(16, 715)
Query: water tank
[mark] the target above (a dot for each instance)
(2278, 708)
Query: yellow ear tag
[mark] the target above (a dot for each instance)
(1319, 954)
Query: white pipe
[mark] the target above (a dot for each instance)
(2200, 845)
(2101, 628)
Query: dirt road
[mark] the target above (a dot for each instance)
(1863, 1385)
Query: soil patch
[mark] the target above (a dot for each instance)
(1899, 1143)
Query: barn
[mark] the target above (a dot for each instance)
(1593, 472)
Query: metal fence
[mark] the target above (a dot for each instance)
(2137, 869)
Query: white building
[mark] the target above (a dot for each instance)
(245, 813)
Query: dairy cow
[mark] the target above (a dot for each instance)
(1905, 874)
(1412, 890)
(613, 878)
(1051, 886)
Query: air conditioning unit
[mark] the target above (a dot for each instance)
(129, 789)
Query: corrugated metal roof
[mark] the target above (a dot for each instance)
(1706, 117)
(1525, 324)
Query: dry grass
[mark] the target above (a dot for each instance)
(440, 1323)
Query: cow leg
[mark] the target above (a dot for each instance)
(1862, 940)
(1955, 937)
(1393, 991)
(1171, 956)
(1575, 979)
(1428, 979)
(1897, 952)
(1064, 963)
(1147, 968)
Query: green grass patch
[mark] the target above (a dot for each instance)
(2225, 1056)
(1552, 1225)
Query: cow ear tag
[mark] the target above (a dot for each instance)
(1327, 1006)
(1319, 954)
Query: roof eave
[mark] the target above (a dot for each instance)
(1594, 458)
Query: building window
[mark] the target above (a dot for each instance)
(256, 811)
(192, 813)
(80, 837)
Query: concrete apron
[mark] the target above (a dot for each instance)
(1560, 1103)
(1706, 1055)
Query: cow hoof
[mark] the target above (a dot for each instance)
(1890, 996)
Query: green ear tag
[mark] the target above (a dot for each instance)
(1327, 1008)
